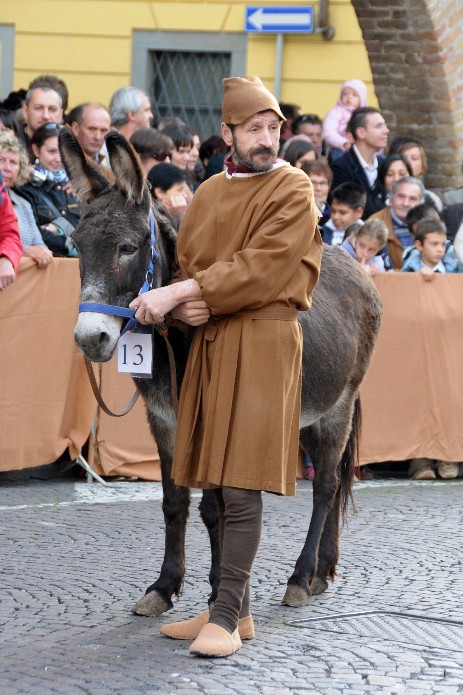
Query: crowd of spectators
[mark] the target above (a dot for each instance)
(371, 194)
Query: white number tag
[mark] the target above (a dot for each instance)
(135, 353)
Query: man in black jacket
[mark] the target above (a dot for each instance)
(360, 164)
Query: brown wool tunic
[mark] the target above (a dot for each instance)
(252, 243)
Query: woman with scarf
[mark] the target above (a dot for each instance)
(55, 208)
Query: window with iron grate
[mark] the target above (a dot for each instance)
(189, 85)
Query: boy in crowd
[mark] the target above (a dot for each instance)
(432, 252)
(418, 213)
(415, 215)
(347, 205)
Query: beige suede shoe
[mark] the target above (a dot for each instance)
(215, 641)
(422, 469)
(186, 629)
(447, 469)
(189, 629)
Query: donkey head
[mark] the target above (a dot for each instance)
(113, 237)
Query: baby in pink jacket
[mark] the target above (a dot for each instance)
(353, 95)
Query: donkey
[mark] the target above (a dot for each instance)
(113, 241)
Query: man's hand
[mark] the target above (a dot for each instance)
(151, 307)
(427, 274)
(195, 312)
(6, 272)
(40, 254)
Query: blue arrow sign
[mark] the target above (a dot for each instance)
(293, 19)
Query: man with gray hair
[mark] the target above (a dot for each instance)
(130, 110)
(406, 193)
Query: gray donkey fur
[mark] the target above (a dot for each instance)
(113, 240)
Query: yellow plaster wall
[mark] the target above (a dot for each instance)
(88, 43)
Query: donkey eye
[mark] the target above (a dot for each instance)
(127, 249)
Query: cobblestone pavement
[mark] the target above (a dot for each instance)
(76, 557)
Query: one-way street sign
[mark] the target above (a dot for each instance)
(292, 19)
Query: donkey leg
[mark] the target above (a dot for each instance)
(175, 505)
(157, 598)
(328, 552)
(326, 442)
(210, 517)
(299, 591)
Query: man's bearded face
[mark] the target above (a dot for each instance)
(256, 141)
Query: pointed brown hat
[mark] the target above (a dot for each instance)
(243, 97)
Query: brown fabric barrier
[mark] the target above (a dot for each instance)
(410, 399)
(46, 403)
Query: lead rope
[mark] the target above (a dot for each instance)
(164, 332)
(99, 397)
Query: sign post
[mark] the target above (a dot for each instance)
(285, 19)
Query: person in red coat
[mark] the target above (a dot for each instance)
(11, 248)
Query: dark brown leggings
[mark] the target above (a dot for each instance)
(240, 519)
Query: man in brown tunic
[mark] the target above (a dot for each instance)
(249, 257)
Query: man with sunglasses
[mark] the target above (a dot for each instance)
(42, 105)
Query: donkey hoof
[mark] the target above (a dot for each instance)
(318, 585)
(151, 605)
(295, 596)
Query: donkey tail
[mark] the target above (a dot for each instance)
(350, 460)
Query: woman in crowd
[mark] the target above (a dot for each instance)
(319, 172)
(153, 147)
(168, 184)
(300, 152)
(55, 208)
(182, 137)
(14, 166)
(194, 169)
(414, 152)
(394, 167)
(212, 154)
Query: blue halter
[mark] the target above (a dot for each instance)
(121, 311)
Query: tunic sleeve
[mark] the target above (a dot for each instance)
(286, 242)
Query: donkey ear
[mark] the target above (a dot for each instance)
(126, 167)
(87, 179)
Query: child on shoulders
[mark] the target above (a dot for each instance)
(347, 206)
(353, 95)
(364, 242)
(433, 253)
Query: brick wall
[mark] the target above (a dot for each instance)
(416, 56)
